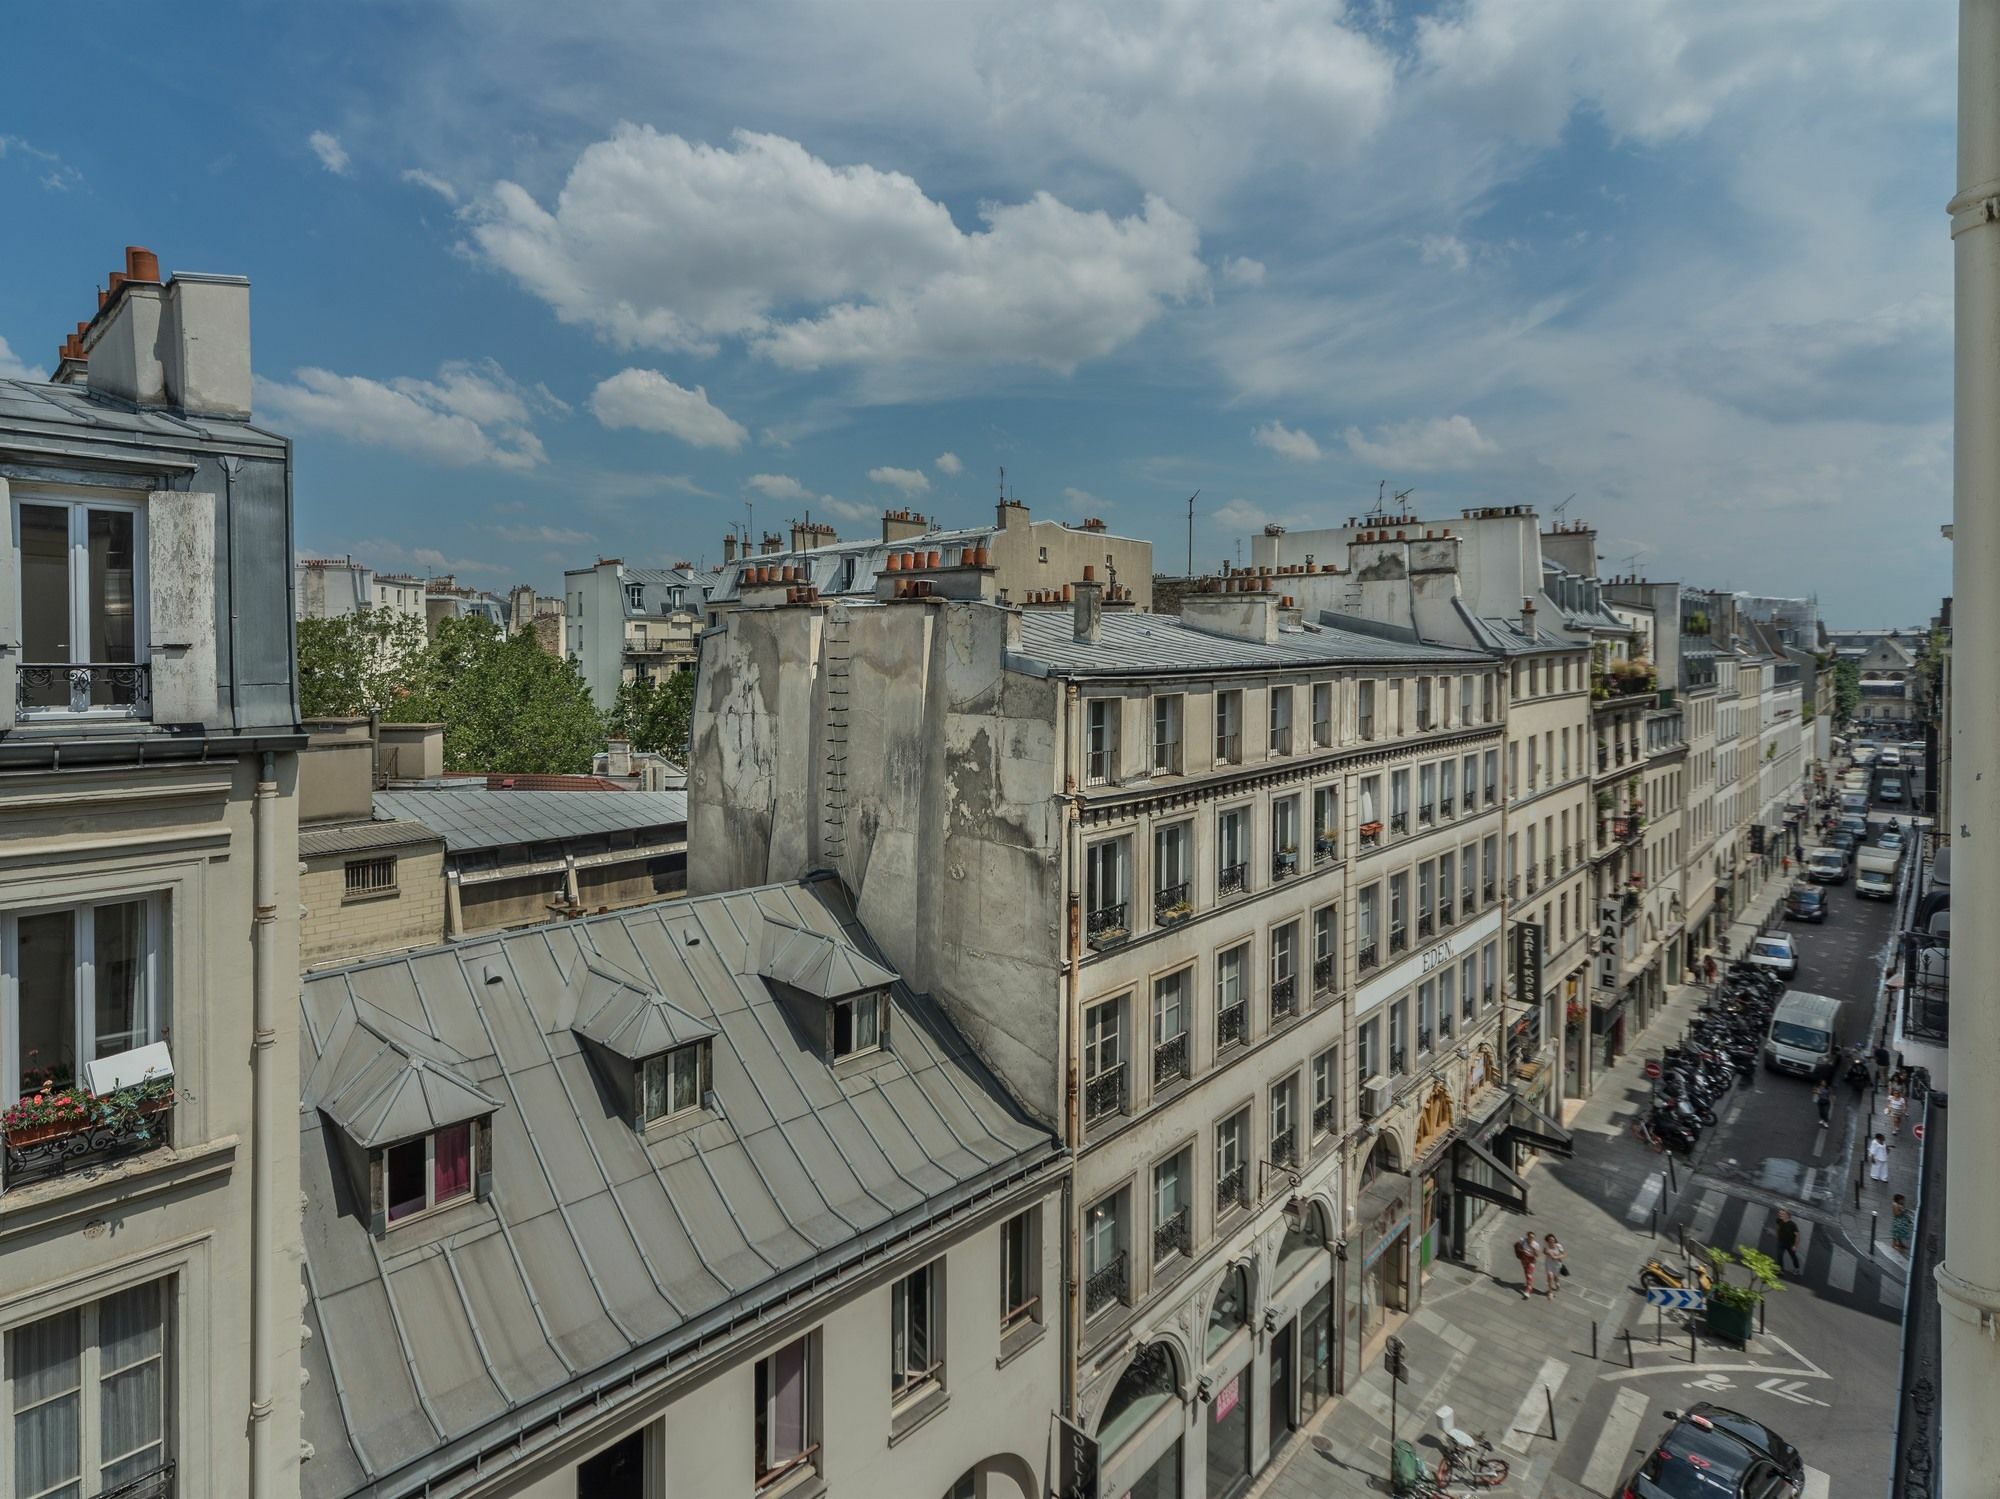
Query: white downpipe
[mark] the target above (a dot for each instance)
(264, 1106)
(1969, 1279)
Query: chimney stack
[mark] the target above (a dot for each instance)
(1089, 597)
(729, 547)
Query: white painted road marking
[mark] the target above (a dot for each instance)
(1706, 1212)
(1614, 1443)
(1644, 1200)
(1751, 1230)
(1533, 1415)
(1792, 1390)
(1840, 1271)
(1818, 1485)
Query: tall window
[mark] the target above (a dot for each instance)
(916, 1331)
(1468, 873)
(1232, 845)
(1366, 934)
(1285, 970)
(1326, 949)
(786, 1411)
(1447, 787)
(1365, 709)
(1489, 861)
(1426, 1015)
(1229, 727)
(1399, 1036)
(1399, 911)
(1232, 1162)
(1492, 768)
(89, 1390)
(1106, 888)
(1322, 709)
(1326, 1092)
(1426, 793)
(80, 983)
(1281, 721)
(1399, 801)
(1171, 1215)
(1020, 1272)
(1446, 865)
(1284, 836)
(1173, 853)
(1104, 1268)
(1231, 1005)
(1446, 1001)
(1103, 1060)
(1465, 691)
(1370, 808)
(1423, 704)
(1285, 1122)
(1368, 1048)
(1326, 823)
(1170, 1027)
(1167, 735)
(1101, 748)
(1426, 899)
(83, 644)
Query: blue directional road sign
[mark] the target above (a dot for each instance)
(1676, 1300)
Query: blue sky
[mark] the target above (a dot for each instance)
(536, 283)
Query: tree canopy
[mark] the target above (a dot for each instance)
(507, 705)
(656, 716)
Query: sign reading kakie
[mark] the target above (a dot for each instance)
(1076, 1462)
(1609, 930)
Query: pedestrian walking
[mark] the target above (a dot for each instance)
(1898, 1102)
(1788, 1241)
(1878, 1159)
(1823, 1101)
(1527, 1251)
(1711, 969)
(1555, 1263)
(1899, 1224)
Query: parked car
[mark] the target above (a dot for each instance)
(1875, 884)
(1805, 903)
(1890, 759)
(1827, 865)
(1755, 1434)
(1777, 952)
(1699, 1458)
(1891, 841)
(1854, 801)
(1855, 823)
(1844, 840)
(1891, 789)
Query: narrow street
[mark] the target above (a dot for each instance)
(1823, 1369)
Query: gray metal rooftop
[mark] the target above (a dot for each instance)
(321, 840)
(469, 816)
(1133, 643)
(600, 1251)
(69, 414)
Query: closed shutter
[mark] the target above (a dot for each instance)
(180, 533)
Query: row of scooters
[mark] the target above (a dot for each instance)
(1719, 1047)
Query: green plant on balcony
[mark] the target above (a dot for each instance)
(67, 1110)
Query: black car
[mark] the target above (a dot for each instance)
(1754, 1433)
(1700, 1458)
(1805, 903)
(1845, 841)
(1854, 823)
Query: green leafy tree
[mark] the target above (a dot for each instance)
(1846, 688)
(357, 663)
(656, 716)
(506, 704)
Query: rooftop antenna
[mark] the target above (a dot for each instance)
(1402, 495)
(1191, 499)
(1564, 505)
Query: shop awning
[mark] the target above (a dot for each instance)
(1477, 1172)
(1528, 1125)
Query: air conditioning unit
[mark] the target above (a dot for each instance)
(1375, 1097)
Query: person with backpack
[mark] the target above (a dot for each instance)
(1528, 1252)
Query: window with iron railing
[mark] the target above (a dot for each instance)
(1103, 1061)
(1107, 886)
(1105, 1279)
(1325, 1086)
(1171, 995)
(1231, 995)
(1232, 845)
(1365, 709)
(1423, 704)
(1280, 713)
(1367, 1048)
(1284, 837)
(81, 591)
(1427, 794)
(1399, 911)
(1399, 1036)
(1444, 1009)
(1229, 727)
(1172, 1181)
(1322, 714)
(1167, 735)
(1173, 864)
(1232, 1160)
(1326, 939)
(1020, 1272)
(1101, 740)
(1326, 824)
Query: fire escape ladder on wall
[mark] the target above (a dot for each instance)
(834, 799)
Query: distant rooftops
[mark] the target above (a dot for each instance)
(1152, 644)
(470, 816)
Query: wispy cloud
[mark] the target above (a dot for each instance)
(551, 536)
(327, 147)
(57, 175)
(948, 464)
(1445, 249)
(1282, 440)
(1241, 270)
(1444, 442)
(13, 367)
(787, 490)
(470, 415)
(911, 481)
(431, 182)
(648, 400)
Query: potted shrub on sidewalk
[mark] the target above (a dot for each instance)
(1732, 1309)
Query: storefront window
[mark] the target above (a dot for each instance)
(1146, 1386)
(1230, 1309)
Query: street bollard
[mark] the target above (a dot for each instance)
(1656, 1224)
(1629, 1362)
(1873, 1218)
(1692, 1358)
(1857, 1193)
(1659, 1325)
(1593, 1340)
(1549, 1395)
(1760, 1316)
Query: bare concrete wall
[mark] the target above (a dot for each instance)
(335, 926)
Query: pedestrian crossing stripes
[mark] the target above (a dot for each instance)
(1826, 1266)
(1819, 1485)
(1616, 1442)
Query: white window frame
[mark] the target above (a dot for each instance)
(1024, 1258)
(767, 1469)
(1167, 746)
(666, 1061)
(1100, 753)
(90, 1384)
(79, 507)
(12, 1063)
(914, 1382)
(880, 1002)
(432, 1202)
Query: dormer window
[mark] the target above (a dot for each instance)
(432, 1171)
(673, 1083)
(635, 597)
(859, 1024)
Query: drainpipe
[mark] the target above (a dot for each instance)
(263, 1155)
(1072, 908)
(1969, 1279)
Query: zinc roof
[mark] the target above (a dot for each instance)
(1131, 643)
(600, 1249)
(361, 837)
(69, 413)
(470, 816)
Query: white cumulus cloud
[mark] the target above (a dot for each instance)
(1282, 440)
(470, 415)
(1443, 442)
(947, 463)
(910, 480)
(13, 367)
(648, 400)
(327, 147)
(431, 182)
(788, 491)
(657, 241)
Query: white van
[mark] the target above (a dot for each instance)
(1805, 1037)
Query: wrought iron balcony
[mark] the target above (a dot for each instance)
(1399, 822)
(1170, 1060)
(1445, 806)
(1323, 733)
(1284, 864)
(1425, 1041)
(38, 1151)
(1173, 1236)
(1426, 813)
(1425, 924)
(1444, 914)
(1367, 956)
(1534, 879)
(158, 1484)
(1399, 1060)
(1105, 1286)
(1232, 879)
(1232, 1190)
(1172, 904)
(1284, 996)
(1107, 927)
(1399, 938)
(1513, 887)
(1325, 1116)
(1231, 1024)
(1323, 974)
(112, 688)
(1285, 1148)
(1370, 834)
(1549, 867)
(1489, 892)
(1325, 846)
(1104, 1094)
(1228, 748)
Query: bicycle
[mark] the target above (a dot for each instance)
(1468, 1457)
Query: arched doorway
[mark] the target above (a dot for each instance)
(1382, 1221)
(1150, 1384)
(1004, 1476)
